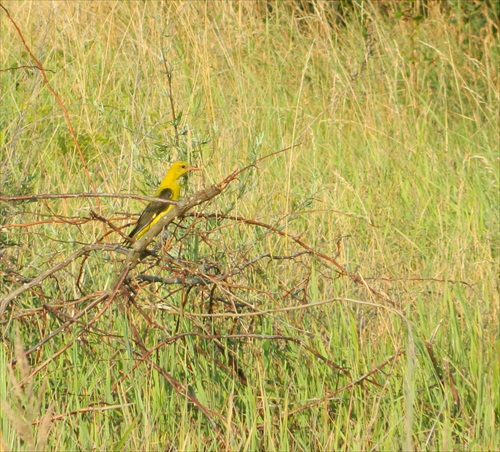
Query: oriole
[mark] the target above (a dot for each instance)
(170, 188)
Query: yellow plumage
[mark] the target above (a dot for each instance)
(170, 188)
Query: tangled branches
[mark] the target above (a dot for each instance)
(200, 274)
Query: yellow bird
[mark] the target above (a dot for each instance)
(170, 188)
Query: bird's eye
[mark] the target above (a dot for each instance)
(184, 166)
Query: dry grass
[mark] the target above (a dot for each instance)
(350, 283)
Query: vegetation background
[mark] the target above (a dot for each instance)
(352, 296)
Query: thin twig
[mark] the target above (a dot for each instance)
(53, 92)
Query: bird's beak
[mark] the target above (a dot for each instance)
(192, 168)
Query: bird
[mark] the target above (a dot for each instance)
(169, 189)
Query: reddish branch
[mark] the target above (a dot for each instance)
(330, 395)
(52, 91)
(357, 279)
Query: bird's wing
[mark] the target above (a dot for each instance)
(152, 210)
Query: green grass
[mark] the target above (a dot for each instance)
(394, 173)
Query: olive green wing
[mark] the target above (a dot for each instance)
(152, 210)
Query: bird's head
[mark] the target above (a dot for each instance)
(178, 169)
